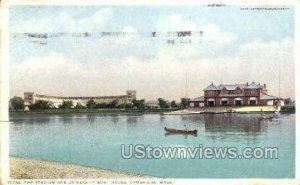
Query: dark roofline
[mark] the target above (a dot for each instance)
(81, 97)
(246, 86)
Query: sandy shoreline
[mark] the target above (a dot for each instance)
(22, 168)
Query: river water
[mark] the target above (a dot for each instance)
(95, 140)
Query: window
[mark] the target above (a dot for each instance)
(252, 102)
(224, 103)
(211, 103)
(238, 102)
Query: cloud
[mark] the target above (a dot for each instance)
(50, 74)
(175, 22)
(211, 32)
(105, 66)
(57, 74)
(135, 44)
(270, 61)
(208, 44)
(99, 21)
(63, 22)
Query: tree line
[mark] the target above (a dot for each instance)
(17, 103)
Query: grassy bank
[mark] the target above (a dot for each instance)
(288, 109)
(242, 109)
(87, 111)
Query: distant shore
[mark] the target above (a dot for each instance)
(215, 110)
(87, 111)
(22, 168)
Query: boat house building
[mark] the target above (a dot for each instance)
(236, 95)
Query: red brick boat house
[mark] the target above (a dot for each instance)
(236, 95)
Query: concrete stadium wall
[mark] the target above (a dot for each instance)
(30, 98)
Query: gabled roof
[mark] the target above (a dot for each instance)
(201, 98)
(253, 86)
(211, 87)
(232, 87)
(228, 87)
(242, 86)
(268, 97)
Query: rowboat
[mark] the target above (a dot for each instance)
(176, 131)
(263, 118)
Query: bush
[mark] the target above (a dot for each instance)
(41, 104)
(162, 103)
(184, 102)
(17, 103)
(91, 104)
(288, 109)
(66, 105)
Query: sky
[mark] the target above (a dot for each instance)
(228, 45)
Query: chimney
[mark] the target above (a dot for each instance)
(247, 83)
(265, 86)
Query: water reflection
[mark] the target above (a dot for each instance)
(133, 119)
(115, 118)
(162, 118)
(176, 134)
(192, 118)
(218, 127)
(31, 120)
(233, 127)
(90, 119)
(231, 123)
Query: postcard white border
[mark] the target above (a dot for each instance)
(4, 73)
(4, 95)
